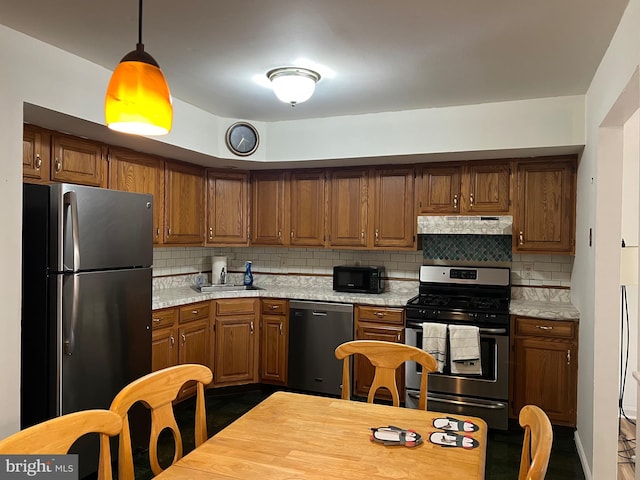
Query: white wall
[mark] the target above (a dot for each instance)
(630, 220)
(595, 280)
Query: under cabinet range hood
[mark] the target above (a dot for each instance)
(465, 225)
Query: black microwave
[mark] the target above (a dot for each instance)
(358, 279)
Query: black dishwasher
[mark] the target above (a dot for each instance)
(315, 330)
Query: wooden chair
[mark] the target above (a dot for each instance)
(538, 438)
(157, 391)
(386, 357)
(56, 436)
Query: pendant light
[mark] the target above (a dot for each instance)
(138, 100)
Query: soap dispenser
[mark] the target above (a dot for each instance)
(248, 276)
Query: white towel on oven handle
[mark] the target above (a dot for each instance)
(434, 342)
(464, 349)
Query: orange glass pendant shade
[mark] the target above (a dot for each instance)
(138, 100)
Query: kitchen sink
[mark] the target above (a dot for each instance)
(224, 287)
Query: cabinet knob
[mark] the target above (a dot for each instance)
(471, 200)
(156, 320)
(377, 235)
(292, 234)
(58, 165)
(38, 161)
(455, 201)
(568, 357)
(210, 233)
(362, 234)
(521, 238)
(172, 340)
(280, 328)
(251, 326)
(544, 327)
(275, 307)
(195, 312)
(379, 314)
(184, 339)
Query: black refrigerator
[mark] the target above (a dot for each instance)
(86, 300)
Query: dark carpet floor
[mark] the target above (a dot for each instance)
(503, 449)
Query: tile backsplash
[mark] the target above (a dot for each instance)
(472, 248)
(526, 270)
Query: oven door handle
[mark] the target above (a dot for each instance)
(494, 331)
(490, 406)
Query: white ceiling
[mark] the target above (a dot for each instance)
(384, 55)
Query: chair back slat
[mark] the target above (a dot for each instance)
(386, 357)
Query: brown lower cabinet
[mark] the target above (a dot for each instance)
(376, 323)
(274, 341)
(181, 335)
(236, 345)
(544, 361)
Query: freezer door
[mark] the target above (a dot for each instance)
(98, 229)
(104, 336)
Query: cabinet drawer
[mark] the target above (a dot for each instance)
(194, 311)
(234, 306)
(393, 316)
(545, 328)
(164, 318)
(274, 306)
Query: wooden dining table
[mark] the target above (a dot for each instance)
(297, 436)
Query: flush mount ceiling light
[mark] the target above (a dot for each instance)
(138, 100)
(293, 85)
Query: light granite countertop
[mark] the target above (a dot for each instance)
(549, 304)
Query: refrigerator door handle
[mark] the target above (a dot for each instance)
(70, 340)
(71, 199)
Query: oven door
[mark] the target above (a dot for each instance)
(485, 396)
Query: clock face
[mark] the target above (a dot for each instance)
(242, 139)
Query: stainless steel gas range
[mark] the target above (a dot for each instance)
(475, 296)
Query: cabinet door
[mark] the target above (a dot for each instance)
(545, 211)
(363, 371)
(487, 188)
(307, 194)
(274, 347)
(194, 341)
(164, 351)
(394, 221)
(36, 154)
(134, 172)
(184, 199)
(348, 208)
(546, 375)
(268, 209)
(76, 160)
(439, 189)
(227, 208)
(235, 350)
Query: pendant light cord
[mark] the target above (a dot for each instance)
(140, 24)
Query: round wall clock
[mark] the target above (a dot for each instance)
(242, 139)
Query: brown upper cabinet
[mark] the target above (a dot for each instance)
(288, 209)
(55, 157)
(476, 187)
(544, 219)
(227, 212)
(268, 208)
(348, 208)
(372, 208)
(140, 173)
(307, 208)
(184, 204)
(394, 222)
(36, 154)
(76, 160)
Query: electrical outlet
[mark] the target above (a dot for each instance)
(527, 270)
